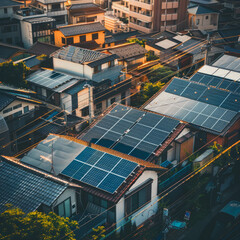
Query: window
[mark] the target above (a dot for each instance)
(83, 38)
(6, 29)
(69, 41)
(7, 110)
(64, 209)
(99, 106)
(5, 11)
(17, 106)
(97, 68)
(26, 109)
(94, 36)
(138, 198)
(206, 17)
(85, 111)
(197, 22)
(113, 100)
(14, 28)
(17, 114)
(63, 40)
(111, 64)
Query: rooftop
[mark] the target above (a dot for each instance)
(30, 191)
(232, 208)
(85, 9)
(39, 20)
(7, 50)
(9, 3)
(5, 100)
(77, 29)
(228, 62)
(126, 51)
(131, 131)
(40, 48)
(83, 56)
(197, 10)
(3, 125)
(53, 80)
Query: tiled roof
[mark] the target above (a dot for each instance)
(128, 50)
(9, 3)
(40, 48)
(81, 55)
(85, 9)
(83, 6)
(5, 100)
(78, 29)
(200, 10)
(26, 189)
(6, 50)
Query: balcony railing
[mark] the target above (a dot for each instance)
(145, 4)
(119, 6)
(169, 5)
(56, 9)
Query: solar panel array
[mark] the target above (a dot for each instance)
(99, 169)
(197, 104)
(49, 79)
(130, 131)
(228, 62)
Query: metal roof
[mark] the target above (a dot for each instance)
(5, 100)
(78, 29)
(3, 125)
(26, 189)
(9, 3)
(228, 62)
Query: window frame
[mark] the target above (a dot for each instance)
(63, 40)
(56, 208)
(95, 36)
(70, 41)
(83, 36)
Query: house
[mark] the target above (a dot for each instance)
(80, 34)
(35, 190)
(208, 101)
(107, 178)
(42, 48)
(54, 9)
(35, 26)
(202, 18)
(85, 13)
(142, 134)
(130, 54)
(152, 16)
(10, 32)
(62, 90)
(4, 136)
(101, 68)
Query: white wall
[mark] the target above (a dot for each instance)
(69, 192)
(66, 102)
(14, 103)
(143, 216)
(6, 15)
(27, 35)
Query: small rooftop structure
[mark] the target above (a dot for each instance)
(39, 20)
(197, 10)
(228, 62)
(5, 100)
(77, 29)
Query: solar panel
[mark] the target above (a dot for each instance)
(97, 168)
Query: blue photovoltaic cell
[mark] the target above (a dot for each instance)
(143, 150)
(81, 172)
(193, 91)
(133, 115)
(94, 134)
(181, 113)
(190, 117)
(72, 168)
(111, 183)
(167, 124)
(200, 119)
(86, 154)
(177, 86)
(150, 119)
(197, 77)
(206, 79)
(208, 110)
(124, 168)
(213, 96)
(219, 126)
(209, 122)
(123, 147)
(107, 162)
(224, 84)
(122, 126)
(139, 131)
(93, 158)
(232, 102)
(228, 115)
(108, 139)
(156, 137)
(218, 112)
(94, 176)
(215, 81)
(107, 122)
(119, 111)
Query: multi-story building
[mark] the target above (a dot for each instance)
(9, 28)
(53, 8)
(153, 15)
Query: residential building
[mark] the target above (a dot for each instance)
(4, 137)
(10, 31)
(85, 13)
(101, 68)
(57, 195)
(151, 15)
(62, 90)
(78, 34)
(35, 26)
(42, 48)
(53, 8)
(107, 179)
(202, 18)
(142, 134)
(208, 101)
(130, 54)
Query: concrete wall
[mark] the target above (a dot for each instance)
(100, 18)
(8, 14)
(27, 35)
(143, 216)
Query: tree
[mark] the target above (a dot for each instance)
(160, 72)
(136, 40)
(16, 225)
(14, 74)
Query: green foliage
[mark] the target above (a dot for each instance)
(150, 89)
(98, 232)
(14, 74)
(159, 73)
(16, 225)
(42, 57)
(136, 40)
(150, 56)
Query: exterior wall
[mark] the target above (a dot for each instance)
(27, 34)
(69, 192)
(76, 39)
(13, 36)
(149, 48)
(99, 18)
(206, 21)
(66, 102)
(186, 148)
(143, 216)
(14, 103)
(83, 101)
(8, 14)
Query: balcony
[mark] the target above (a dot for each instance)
(51, 1)
(169, 5)
(140, 28)
(169, 17)
(120, 7)
(57, 12)
(170, 28)
(30, 12)
(146, 4)
(140, 16)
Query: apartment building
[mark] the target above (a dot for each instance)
(53, 8)
(153, 15)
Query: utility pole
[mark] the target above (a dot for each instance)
(208, 48)
(90, 101)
